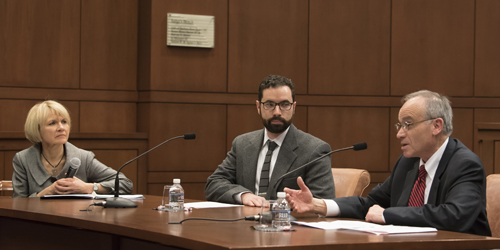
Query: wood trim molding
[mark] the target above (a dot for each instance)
(124, 136)
(68, 94)
(485, 135)
(304, 100)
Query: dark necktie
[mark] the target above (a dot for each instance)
(264, 174)
(418, 191)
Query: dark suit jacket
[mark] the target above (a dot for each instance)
(237, 172)
(457, 199)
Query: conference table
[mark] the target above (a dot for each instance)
(34, 223)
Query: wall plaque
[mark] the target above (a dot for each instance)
(190, 30)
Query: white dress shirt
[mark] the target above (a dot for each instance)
(260, 162)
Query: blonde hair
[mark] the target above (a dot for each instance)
(38, 115)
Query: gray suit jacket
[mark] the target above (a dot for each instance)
(30, 177)
(457, 198)
(237, 172)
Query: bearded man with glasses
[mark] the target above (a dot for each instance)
(437, 181)
(250, 173)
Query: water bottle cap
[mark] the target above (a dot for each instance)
(177, 181)
(281, 194)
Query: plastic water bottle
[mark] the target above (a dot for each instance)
(281, 213)
(176, 196)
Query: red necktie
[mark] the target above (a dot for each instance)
(418, 191)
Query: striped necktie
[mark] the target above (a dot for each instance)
(264, 174)
(418, 191)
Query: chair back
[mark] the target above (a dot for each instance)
(6, 188)
(350, 181)
(493, 203)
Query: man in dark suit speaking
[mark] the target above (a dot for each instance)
(250, 173)
(437, 182)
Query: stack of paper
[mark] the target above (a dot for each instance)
(366, 227)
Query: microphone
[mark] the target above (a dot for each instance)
(117, 202)
(265, 218)
(74, 166)
(355, 147)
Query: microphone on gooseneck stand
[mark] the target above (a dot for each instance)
(117, 202)
(355, 147)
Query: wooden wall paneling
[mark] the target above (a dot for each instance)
(144, 45)
(204, 153)
(486, 136)
(3, 166)
(267, 37)
(300, 119)
(485, 147)
(241, 119)
(9, 168)
(379, 177)
(17, 143)
(463, 126)
(345, 126)
(395, 143)
(143, 116)
(109, 44)
(74, 112)
(110, 158)
(496, 158)
(486, 126)
(349, 47)
(184, 68)
(192, 182)
(16, 112)
(487, 116)
(487, 56)
(67, 94)
(108, 117)
(191, 190)
(433, 46)
(186, 177)
(40, 43)
(486, 132)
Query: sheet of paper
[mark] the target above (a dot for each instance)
(366, 227)
(68, 196)
(209, 204)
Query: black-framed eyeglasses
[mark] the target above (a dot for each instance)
(408, 125)
(284, 105)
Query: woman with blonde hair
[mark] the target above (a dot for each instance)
(41, 169)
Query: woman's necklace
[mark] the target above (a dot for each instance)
(54, 168)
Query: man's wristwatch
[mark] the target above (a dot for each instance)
(95, 187)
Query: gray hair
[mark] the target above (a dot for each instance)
(437, 106)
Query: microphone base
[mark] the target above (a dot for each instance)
(117, 202)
